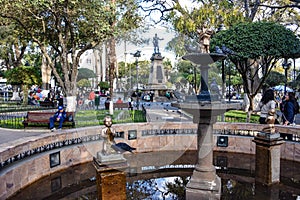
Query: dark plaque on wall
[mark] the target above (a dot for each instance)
(132, 134)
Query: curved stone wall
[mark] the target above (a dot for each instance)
(26, 160)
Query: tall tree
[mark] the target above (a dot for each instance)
(67, 28)
(255, 48)
(12, 46)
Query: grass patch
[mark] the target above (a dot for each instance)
(240, 116)
(95, 117)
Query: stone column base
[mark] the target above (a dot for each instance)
(109, 162)
(267, 159)
(198, 188)
(111, 176)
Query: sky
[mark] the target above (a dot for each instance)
(147, 49)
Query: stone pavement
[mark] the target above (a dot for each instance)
(163, 111)
(8, 135)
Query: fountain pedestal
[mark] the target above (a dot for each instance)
(204, 183)
(111, 178)
(267, 162)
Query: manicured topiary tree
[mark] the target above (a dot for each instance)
(255, 48)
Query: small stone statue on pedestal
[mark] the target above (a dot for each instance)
(111, 150)
(270, 121)
(204, 38)
(108, 134)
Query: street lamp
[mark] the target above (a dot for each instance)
(137, 54)
(286, 65)
(218, 50)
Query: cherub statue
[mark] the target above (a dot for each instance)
(204, 38)
(270, 121)
(109, 145)
(108, 134)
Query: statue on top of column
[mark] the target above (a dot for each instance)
(204, 38)
(155, 43)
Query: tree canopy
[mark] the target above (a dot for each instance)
(65, 29)
(85, 73)
(255, 48)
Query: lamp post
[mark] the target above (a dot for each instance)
(229, 81)
(137, 54)
(285, 66)
(222, 28)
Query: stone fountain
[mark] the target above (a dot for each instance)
(205, 107)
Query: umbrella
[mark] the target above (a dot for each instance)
(281, 88)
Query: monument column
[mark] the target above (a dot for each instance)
(157, 79)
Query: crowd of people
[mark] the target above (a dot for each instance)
(287, 106)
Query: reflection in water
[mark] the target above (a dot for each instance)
(237, 176)
(159, 188)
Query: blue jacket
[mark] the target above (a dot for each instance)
(63, 116)
(289, 111)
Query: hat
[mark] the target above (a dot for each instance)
(60, 107)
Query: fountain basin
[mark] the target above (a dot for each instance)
(206, 108)
(203, 59)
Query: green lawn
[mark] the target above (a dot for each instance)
(240, 116)
(95, 117)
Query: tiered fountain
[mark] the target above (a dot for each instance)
(205, 107)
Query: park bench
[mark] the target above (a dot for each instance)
(42, 118)
(120, 105)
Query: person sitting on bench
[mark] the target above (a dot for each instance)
(60, 116)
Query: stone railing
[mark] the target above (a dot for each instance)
(28, 159)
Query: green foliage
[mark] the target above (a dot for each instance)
(103, 85)
(85, 73)
(240, 116)
(254, 40)
(177, 45)
(213, 13)
(255, 49)
(23, 75)
(274, 78)
(68, 29)
(84, 83)
(296, 83)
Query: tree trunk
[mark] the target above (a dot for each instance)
(250, 108)
(112, 66)
(46, 73)
(25, 95)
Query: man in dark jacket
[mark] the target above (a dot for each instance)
(60, 116)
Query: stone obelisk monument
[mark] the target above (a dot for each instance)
(157, 79)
